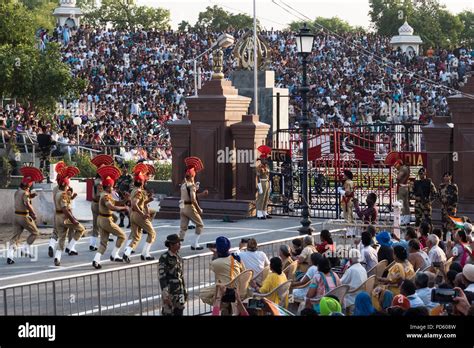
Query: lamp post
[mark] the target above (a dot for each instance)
(77, 121)
(223, 41)
(304, 44)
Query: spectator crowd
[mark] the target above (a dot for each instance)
(138, 82)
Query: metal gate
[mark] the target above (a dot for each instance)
(360, 149)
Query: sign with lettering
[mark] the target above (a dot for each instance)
(417, 159)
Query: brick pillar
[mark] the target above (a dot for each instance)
(180, 133)
(248, 135)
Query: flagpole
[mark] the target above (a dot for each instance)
(255, 60)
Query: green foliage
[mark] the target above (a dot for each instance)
(334, 24)
(467, 34)
(37, 79)
(163, 171)
(83, 162)
(125, 14)
(436, 26)
(16, 24)
(218, 19)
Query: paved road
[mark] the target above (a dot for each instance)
(128, 289)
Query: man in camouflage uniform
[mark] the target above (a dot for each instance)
(173, 290)
(424, 192)
(448, 195)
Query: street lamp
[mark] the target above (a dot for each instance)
(223, 41)
(304, 45)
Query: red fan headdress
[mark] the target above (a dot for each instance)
(109, 175)
(264, 150)
(102, 160)
(151, 170)
(30, 175)
(193, 165)
(140, 171)
(58, 168)
(66, 174)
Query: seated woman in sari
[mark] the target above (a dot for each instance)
(401, 270)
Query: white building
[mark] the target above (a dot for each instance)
(406, 40)
(68, 13)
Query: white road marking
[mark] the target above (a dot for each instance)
(107, 260)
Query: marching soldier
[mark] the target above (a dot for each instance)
(424, 192)
(347, 193)
(124, 187)
(65, 220)
(98, 161)
(105, 222)
(189, 205)
(403, 190)
(448, 195)
(170, 266)
(263, 183)
(54, 237)
(24, 213)
(140, 216)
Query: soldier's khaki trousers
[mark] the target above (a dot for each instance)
(106, 227)
(403, 195)
(187, 213)
(138, 224)
(20, 223)
(262, 198)
(95, 214)
(75, 231)
(347, 211)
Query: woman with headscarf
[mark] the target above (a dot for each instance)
(385, 251)
(363, 305)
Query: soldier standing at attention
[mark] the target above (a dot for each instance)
(105, 222)
(98, 161)
(189, 205)
(24, 213)
(425, 193)
(347, 193)
(403, 190)
(448, 195)
(173, 290)
(263, 183)
(65, 220)
(140, 216)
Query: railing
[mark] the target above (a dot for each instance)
(127, 290)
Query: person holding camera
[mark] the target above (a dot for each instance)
(228, 295)
(45, 143)
(170, 270)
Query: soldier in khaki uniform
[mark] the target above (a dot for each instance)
(105, 222)
(65, 220)
(263, 183)
(189, 205)
(347, 196)
(98, 161)
(403, 190)
(140, 216)
(24, 213)
(448, 195)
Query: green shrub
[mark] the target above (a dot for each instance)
(163, 171)
(83, 162)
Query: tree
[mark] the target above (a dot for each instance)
(124, 14)
(16, 24)
(388, 15)
(217, 19)
(467, 34)
(184, 26)
(333, 24)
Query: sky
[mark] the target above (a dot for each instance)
(270, 15)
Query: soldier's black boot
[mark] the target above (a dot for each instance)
(121, 221)
(96, 265)
(57, 262)
(10, 261)
(50, 251)
(126, 258)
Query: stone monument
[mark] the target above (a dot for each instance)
(405, 40)
(242, 79)
(218, 127)
(68, 13)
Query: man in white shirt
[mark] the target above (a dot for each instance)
(408, 289)
(354, 276)
(435, 253)
(300, 293)
(368, 253)
(254, 259)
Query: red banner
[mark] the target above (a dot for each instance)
(314, 153)
(364, 155)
